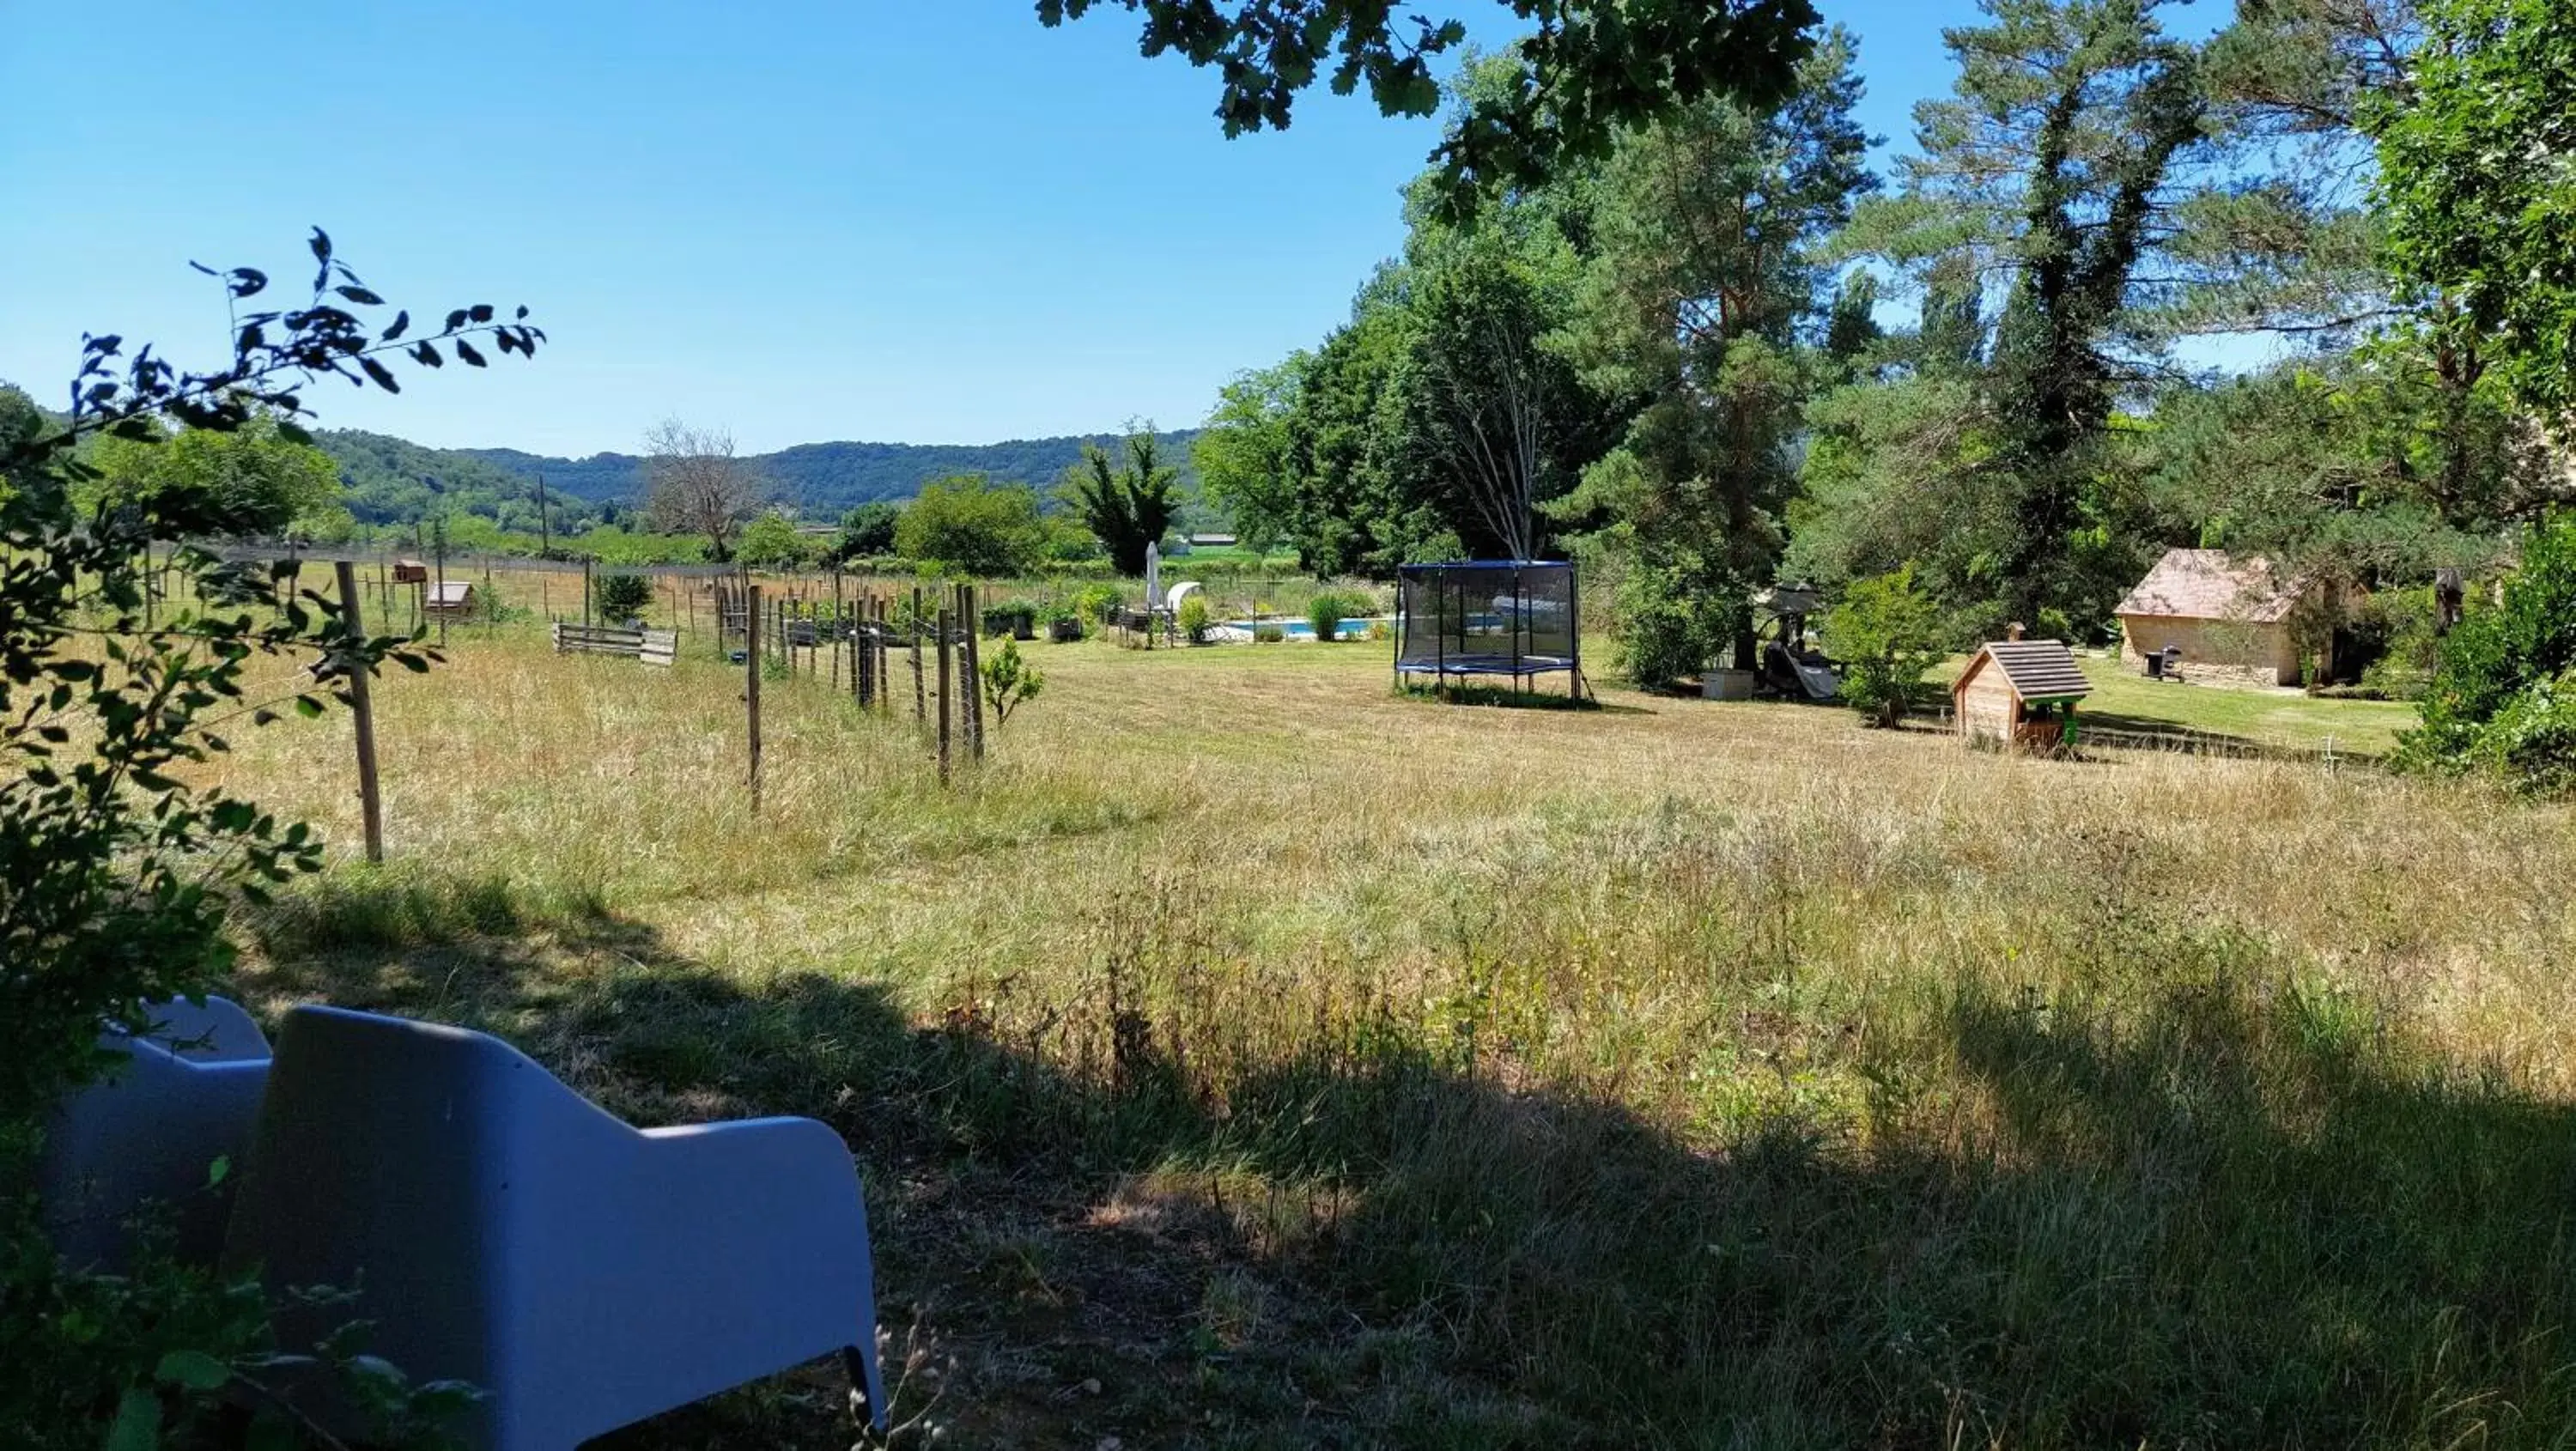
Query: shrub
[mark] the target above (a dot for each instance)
(1097, 602)
(1268, 634)
(2530, 745)
(485, 606)
(1887, 633)
(770, 542)
(1010, 617)
(1009, 681)
(1670, 623)
(867, 532)
(623, 596)
(1195, 620)
(2504, 670)
(1327, 610)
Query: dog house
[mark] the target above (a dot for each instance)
(2019, 694)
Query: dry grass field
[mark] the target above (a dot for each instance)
(1250, 1056)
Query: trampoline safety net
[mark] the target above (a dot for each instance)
(1504, 617)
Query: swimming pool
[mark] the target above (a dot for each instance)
(1305, 629)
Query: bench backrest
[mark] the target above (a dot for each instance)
(653, 647)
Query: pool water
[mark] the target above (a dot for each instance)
(1305, 629)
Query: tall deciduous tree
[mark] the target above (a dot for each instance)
(1588, 69)
(973, 526)
(2480, 188)
(1707, 226)
(2344, 467)
(248, 480)
(1242, 454)
(1127, 502)
(21, 424)
(694, 484)
(2054, 170)
(1494, 413)
(1356, 498)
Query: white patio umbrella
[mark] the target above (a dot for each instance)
(1153, 576)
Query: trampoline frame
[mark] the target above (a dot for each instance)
(1521, 667)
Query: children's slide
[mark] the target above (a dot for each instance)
(1818, 680)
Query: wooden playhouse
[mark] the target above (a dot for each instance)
(2019, 694)
(447, 597)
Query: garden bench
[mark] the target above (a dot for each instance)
(653, 647)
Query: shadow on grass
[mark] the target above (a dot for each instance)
(1504, 698)
(2237, 1217)
(2149, 733)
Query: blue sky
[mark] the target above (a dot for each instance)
(853, 219)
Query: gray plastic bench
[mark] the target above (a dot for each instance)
(502, 1230)
(151, 1131)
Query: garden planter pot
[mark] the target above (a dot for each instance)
(1016, 623)
(1064, 632)
(1726, 684)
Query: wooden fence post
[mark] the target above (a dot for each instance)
(944, 692)
(972, 599)
(864, 660)
(751, 687)
(920, 710)
(879, 696)
(371, 805)
(442, 582)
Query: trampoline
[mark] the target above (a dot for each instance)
(1488, 620)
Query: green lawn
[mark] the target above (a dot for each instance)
(2125, 699)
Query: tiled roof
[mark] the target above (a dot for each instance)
(2210, 584)
(2038, 669)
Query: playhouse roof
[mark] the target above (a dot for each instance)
(2211, 584)
(2035, 669)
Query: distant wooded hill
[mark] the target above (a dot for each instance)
(391, 480)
